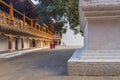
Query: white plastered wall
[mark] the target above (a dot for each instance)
(3, 43)
(39, 44)
(104, 35)
(19, 44)
(13, 43)
(26, 43)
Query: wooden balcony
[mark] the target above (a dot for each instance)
(56, 37)
(23, 28)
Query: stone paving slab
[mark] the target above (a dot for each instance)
(64, 78)
(36, 65)
(42, 65)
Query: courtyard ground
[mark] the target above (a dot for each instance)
(43, 64)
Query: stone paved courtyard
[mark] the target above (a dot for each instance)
(43, 65)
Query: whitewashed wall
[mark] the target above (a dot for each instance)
(104, 35)
(19, 44)
(3, 43)
(13, 43)
(26, 43)
(41, 44)
(70, 39)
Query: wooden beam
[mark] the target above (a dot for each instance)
(31, 22)
(24, 19)
(4, 3)
(11, 10)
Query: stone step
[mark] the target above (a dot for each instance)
(100, 57)
(94, 68)
(103, 51)
(95, 63)
(102, 54)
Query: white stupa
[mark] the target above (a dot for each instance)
(35, 2)
(71, 39)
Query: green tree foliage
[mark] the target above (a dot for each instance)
(58, 26)
(55, 9)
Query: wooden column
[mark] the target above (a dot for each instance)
(30, 43)
(10, 42)
(16, 43)
(24, 19)
(36, 44)
(3, 18)
(44, 43)
(41, 43)
(11, 10)
(22, 43)
(31, 22)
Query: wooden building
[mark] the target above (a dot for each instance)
(19, 28)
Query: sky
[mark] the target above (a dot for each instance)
(35, 2)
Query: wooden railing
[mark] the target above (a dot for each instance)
(18, 25)
(56, 37)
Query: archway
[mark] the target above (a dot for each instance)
(3, 42)
(33, 43)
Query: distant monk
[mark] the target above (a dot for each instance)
(51, 46)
